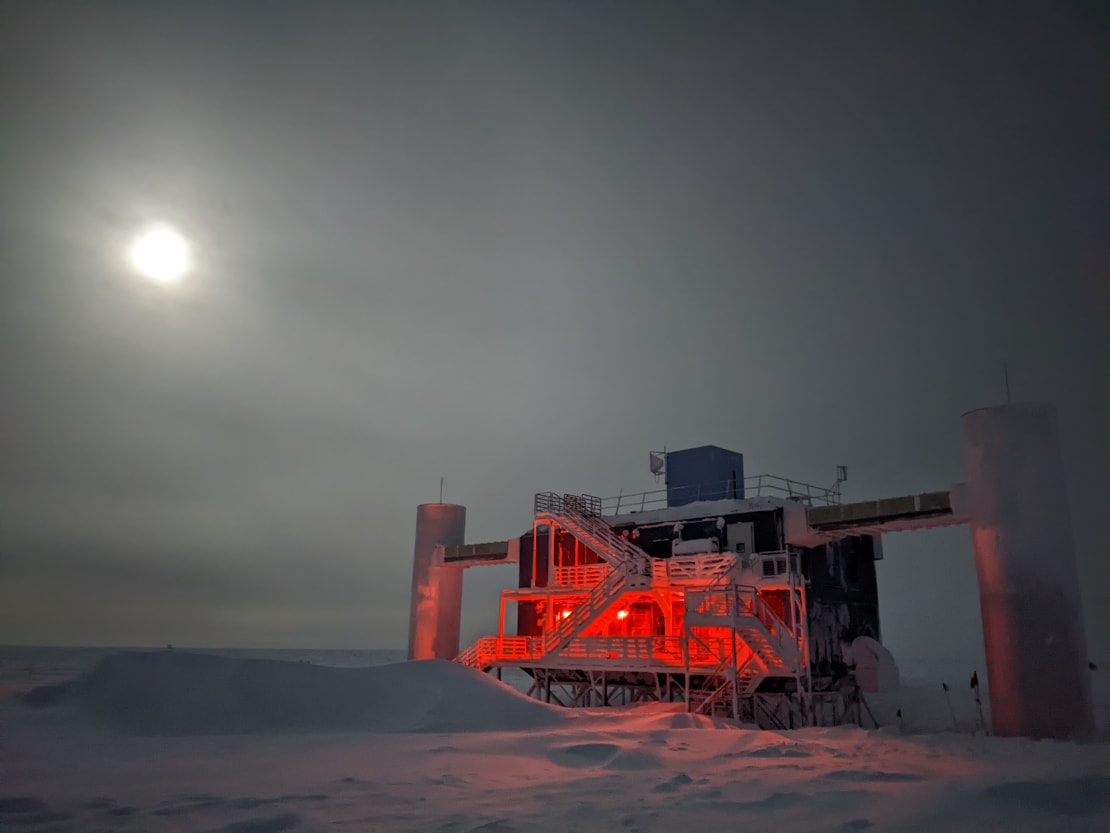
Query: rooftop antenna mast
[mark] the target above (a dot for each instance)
(441, 490)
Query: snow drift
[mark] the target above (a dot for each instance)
(649, 767)
(179, 693)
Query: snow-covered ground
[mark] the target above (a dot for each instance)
(246, 743)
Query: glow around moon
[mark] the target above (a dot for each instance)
(161, 254)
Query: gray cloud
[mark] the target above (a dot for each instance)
(518, 245)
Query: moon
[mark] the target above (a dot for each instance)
(161, 254)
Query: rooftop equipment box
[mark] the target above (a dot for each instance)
(704, 473)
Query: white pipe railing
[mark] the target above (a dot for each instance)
(758, 485)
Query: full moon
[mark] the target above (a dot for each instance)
(160, 254)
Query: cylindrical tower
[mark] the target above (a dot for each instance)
(1028, 584)
(436, 604)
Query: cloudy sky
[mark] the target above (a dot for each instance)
(517, 246)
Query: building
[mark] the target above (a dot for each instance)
(756, 597)
(699, 593)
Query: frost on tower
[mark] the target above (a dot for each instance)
(436, 590)
(1028, 586)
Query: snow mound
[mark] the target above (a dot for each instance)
(655, 717)
(178, 693)
(875, 667)
(680, 720)
(582, 755)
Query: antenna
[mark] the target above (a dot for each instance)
(657, 462)
(841, 476)
(441, 490)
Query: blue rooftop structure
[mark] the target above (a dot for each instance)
(707, 472)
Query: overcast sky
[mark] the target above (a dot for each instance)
(518, 245)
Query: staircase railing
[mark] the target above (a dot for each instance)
(580, 515)
(740, 602)
(479, 653)
(487, 651)
(582, 575)
(601, 597)
(759, 485)
(707, 701)
(655, 652)
(731, 681)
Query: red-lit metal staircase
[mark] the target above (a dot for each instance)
(730, 682)
(580, 515)
(603, 596)
(742, 609)
(729, 638)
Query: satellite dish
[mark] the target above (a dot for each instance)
(657, 461)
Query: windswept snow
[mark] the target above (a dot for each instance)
(177, 693)
(173, 742)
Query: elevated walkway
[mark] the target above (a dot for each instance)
(652, 654)
(876, 517)
(825, 520)
(476, 555)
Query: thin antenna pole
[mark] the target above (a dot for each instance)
(1006, 377)
(441, 490)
